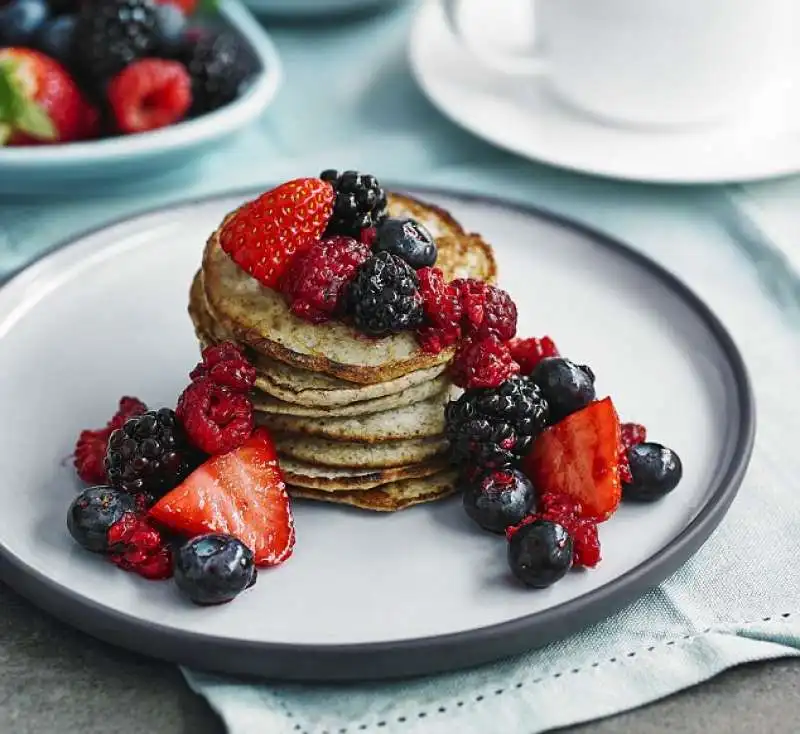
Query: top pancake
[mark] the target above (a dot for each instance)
(259, 317)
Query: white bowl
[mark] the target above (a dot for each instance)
(43, 169)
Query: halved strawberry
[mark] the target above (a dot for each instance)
(579, 456)
(240, 493)
(265, 235)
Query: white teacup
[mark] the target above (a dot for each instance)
(654, 62)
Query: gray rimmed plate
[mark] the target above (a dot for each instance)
(364, 596)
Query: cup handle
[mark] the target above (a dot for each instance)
(523, 64)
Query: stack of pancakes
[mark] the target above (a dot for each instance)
(356, 420)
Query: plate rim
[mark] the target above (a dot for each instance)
(423, 16)
(433, 653)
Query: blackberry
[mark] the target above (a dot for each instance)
(495, 427)
(150, 454)
(384, 296)
(360, 202)
(111, 34)
(218, 66)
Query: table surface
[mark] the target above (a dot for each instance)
(56, 680)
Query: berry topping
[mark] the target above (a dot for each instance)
(633, 434)
(266, 234)
(225, 364)
(150, 454)
(171, 27)
(407, 239)
(487, 310)
(90, 450)
(540, 553)
(114, 33)
(564, 510)
(482, 363)
(360, 202)
(149, 94)
(20, 20)
(135, 545)
(384, 296)
(566, 386)
(579, 456)
(494, 427)
(442, 308)
(527, 353)
(93, 512)
(217, 419)
(214, 569)
(54, 38)
(39, 100)
(316, 280)
(240, 493)
(219, 67)
(655, 471)
(499, 499)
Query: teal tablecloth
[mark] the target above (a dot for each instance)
(349, 101)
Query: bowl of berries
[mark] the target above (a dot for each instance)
(97, 91)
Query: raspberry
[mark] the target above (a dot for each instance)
(488, 311)
(216, 418)
(225, 364)
(150, 94)
(135, 545)
(442, 307)
(633, 434)
(565, 511)
(315, 282)
(482, 363)
(90, 450)
(529, 352)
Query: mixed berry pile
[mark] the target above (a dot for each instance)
(75, 70)
(195, 493)
(544, 461)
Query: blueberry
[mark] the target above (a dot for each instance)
(566, 386)
(499, 499)
(407, 239)
(214, 569)
(171, 25)
(55, 37)
(93, 512)
(540, 554)
(656, 471)
(20, 20)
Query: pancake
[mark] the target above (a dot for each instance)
(298, 386)
(352, 455)
(328, 479)
(389, 497)
(268, 404)
(259, 317)
(421, 420)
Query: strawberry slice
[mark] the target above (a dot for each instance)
(266, 234)
(240, 493)
(579, 456)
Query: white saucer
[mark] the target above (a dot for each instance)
(519, 114)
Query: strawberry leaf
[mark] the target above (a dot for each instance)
(208, 6)
(18, 111)
(34, 120)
